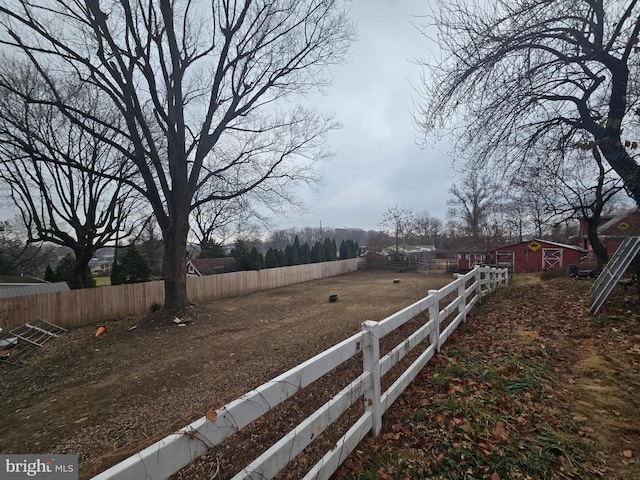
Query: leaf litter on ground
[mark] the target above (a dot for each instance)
(511, 394)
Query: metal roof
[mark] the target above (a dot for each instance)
(549, 242)
(9, 290)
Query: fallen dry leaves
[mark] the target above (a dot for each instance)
(510, 395)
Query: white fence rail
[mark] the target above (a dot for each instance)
(170, 454)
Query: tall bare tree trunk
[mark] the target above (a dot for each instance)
(174, 266)
(80, 276)
(624, 165)
(599, 250)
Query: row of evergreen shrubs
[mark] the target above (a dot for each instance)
(128, 267)
(295, 254)
(131, 265)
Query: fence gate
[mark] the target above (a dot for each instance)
(551, 258)
(506, 259)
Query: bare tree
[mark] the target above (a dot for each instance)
(68, 186)
(422, 224)
(205, 90)
(580, 193)
(428, 227)
(399, 224)
(17, 257)
(472, 199)
(526, 78)
(217, 223)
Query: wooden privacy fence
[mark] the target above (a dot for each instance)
(447, 308)
(93, 305)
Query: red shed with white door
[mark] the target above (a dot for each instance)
(537, 255)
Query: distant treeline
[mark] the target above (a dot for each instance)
(294, 254)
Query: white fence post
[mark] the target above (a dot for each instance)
(486, 280)
(371, 363)
(434, 314)
(462, 308)
(168, 455)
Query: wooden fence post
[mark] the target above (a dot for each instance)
(371, 363)
(434, 314)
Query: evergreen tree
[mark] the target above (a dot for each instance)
(6, 265)
(291, 255)
(329, 250)
(50, 275)
(211, 249)
(306, 254)
(348, 249)
(282, 261)
(344, 252)
(271, 259)
(317, 253)
(64, 270)
(256, 262)
(134, 266)
(117, 273)
(240, 252)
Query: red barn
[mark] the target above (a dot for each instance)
(537, 255)
(469, 260)
(613, 229)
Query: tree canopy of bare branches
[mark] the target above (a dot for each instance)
(529, 79)
(399, 223)
(68, 186)
(470, 205)
(207, 92)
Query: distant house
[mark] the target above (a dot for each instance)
(613, 229)
(536, 256)
(199, 267)
(100, 266)
(389, 253)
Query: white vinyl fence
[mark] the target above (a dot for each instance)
(170, 454)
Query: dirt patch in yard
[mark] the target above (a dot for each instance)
(531, 387)
(106, 398)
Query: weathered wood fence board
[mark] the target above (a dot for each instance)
(93, 305)
(167, 456)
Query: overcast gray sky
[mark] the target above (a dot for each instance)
(377, 162)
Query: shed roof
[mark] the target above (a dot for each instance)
(10, 290)
(211, 266)
(546, 242)
(19, 279)
(616, 217)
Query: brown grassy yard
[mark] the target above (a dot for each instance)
(531, 387)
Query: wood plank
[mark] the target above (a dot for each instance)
(343, 448)
(177, 450)
(286, 449)
(450, 328)
(398, 319)
(401, 350)
(399, 386)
